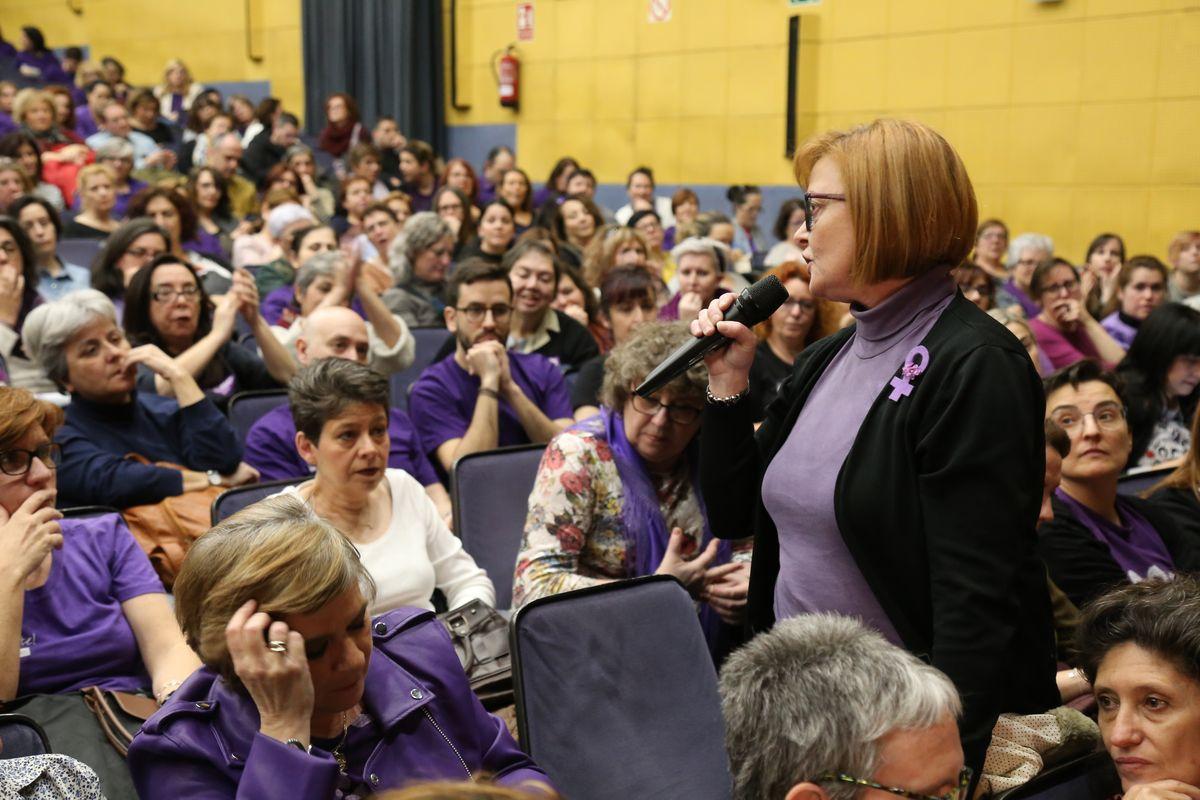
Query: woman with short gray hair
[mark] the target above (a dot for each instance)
(341, 410)
(821, 703)
(118, 154)
(616, 495)
(330, 279)
(420, 257)
(701, 263)
(1025, 253)
(77, 341)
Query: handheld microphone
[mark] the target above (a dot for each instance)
(753, 305)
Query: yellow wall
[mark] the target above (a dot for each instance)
(209, 35)
(1073, 117)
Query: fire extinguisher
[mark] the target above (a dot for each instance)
(508, 76)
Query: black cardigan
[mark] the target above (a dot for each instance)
(937, 501)
(1183, 507)
(1083, 567)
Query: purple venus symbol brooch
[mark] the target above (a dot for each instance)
(914, 364)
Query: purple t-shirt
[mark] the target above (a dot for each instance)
(443, 399)
(271, 447)
(816, 570)
(1135, 546)
(1062, 348)
(1014, 292)
(85, 123)
(1120, 328)
(74, 632)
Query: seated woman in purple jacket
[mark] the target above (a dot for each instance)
(300, 687)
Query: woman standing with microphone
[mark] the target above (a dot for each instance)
(897, 477)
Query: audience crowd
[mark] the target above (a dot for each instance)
(166, 249)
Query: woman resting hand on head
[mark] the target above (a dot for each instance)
(300, 687)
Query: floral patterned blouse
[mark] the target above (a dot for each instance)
(574, 535)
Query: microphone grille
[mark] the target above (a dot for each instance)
(767, 295)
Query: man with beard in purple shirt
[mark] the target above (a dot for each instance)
(483, 397)
(337, 332)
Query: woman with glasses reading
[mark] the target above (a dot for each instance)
(896, 476)
(1098, 538)
(616, 496)
(1066, 332)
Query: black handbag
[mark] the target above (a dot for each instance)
(480, 637)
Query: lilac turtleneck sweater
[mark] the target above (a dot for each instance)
(816, 571)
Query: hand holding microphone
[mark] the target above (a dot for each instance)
(724, 340)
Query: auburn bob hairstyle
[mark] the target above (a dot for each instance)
(908, 192)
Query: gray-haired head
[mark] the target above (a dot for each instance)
(421, 231)
(322, 265)
(51, 326)
(324, 389)
(1028, 241)
(295, 150)
(814, 696)
(115, 148)
(704, 246)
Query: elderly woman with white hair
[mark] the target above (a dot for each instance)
(1025, 253)
(330, 280)
(266, 246)
(701, 263)
(118, 154)
(77, 341)
(823, 707)
(420, 257)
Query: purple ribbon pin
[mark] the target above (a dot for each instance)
(914, 364)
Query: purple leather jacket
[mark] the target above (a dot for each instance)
(204, 743)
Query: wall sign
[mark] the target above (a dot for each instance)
(659, 11)
(525, 22)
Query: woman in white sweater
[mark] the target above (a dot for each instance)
(341, 413)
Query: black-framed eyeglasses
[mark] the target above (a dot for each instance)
(811, 212)
(166, 294)
(477, 311)
(17, 461)
(959, 792)
(1067, 287)
(682, 415)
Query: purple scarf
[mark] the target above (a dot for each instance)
(645, 528)
(1135, 546)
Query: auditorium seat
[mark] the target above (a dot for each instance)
(234, 500)
(81, 252)
(630, 708)
(247, 408)
(428, 341)
(20, 736)
(83, 512)
(1134, 483)
(490, 494)
(1083, 778)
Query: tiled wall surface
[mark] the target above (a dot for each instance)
(1073, 117)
